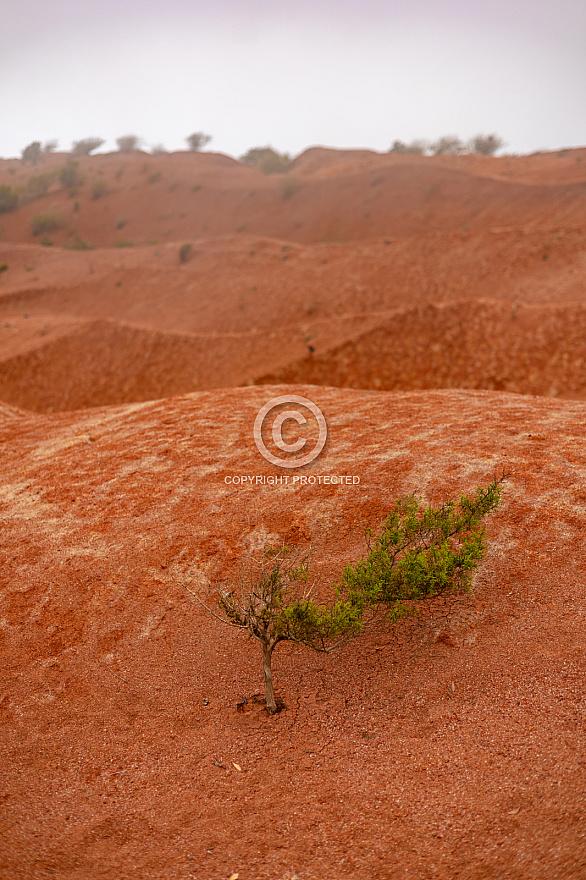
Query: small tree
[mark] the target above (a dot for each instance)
(32, 153)
(415, 148)
(71, 177)
(128, 143)
(486, 144)
(449, 144)
(50, 146)
(86, 146)
(198, 140)
(420, 553)
(267, 160)
(8, 199)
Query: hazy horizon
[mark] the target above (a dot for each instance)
(335, 74)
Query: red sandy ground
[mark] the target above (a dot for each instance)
(450, 747)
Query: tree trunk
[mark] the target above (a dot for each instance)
(267, 654)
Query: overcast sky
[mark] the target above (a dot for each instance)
(338, 73)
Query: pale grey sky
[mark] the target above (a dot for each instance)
(251, 72)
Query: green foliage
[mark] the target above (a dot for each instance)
(185, 252)
(99, 188)
(50, 146)
(8, 199)
(420, 553)
(3, 267)
(38, 186)
(78, 244)
(128, 143)
(448, 144)
(71, 177)
(486, 144)
(32, 153)
(86, 146)
(415, 148)
(198, 140)
(289, 186)
(49, 221)
(123, 243)
(267, 160)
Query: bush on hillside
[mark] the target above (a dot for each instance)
(198, 140)
(71, 177)
(486, 144)
(415, 148)
(128, 143)
(86, 146)
(49, 221)
(267, 160)
(8, 199)
(448, 145)
(420, 552)
(32, 153)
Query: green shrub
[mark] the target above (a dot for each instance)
(267, 160)
(420, 553)
(486, 144)
(86, 146)
(197, 141)
(71, 177)
(448, 145)
(3, 267)
(154, 178)
(46, 240)
(415, 148)
(47, 222)
(50, 146)
(38, 186)
(78, 244)
(289, 186)
(128, 143)
(185, 252)
(99, 188)
(32, 153)
(8, 199)
(123, 243)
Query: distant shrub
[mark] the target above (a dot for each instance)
(197, 141)
(86, 146)
(196, 187)
(158, 150)
(78, 244)
(71, 177)
(267, 160)
(123, 243)
(121, 223)
(289, 186)
(486, 144)
(47, 222)
(46, 240)
(50, 146)
(37, 186)
(8, 199)
(415, 148)
(3, 267)
(185, 252)
(154, 178)
(99, 188)
(128, 142)
(32, 153)
(449, 144)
